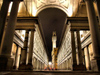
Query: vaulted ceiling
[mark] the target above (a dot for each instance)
(33, 7)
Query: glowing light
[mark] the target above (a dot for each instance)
(20, 7)
(34, 10)
(70, 11)
(23, 34)
(50, 63)
(81, 34)
(10, 6)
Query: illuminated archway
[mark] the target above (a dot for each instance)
(64, 9)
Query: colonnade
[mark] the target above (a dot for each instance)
(23, 64)
(77, 62)
(38, 65)
(79, 65)
(94, 29)
(88, 56)
(6, 40)
(6, 60)
(66, 65)
(72, 63)
(16, 51)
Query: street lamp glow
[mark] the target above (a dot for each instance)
(50, 63)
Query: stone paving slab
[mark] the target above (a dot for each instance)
(49, 73)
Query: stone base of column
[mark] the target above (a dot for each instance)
(15, 67)
(22, 67)
(6, 63)
(29, 67)
(80, 67)
(74, 67)
(95, 65)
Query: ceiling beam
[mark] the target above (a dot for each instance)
(24, 23)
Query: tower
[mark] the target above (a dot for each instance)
(54, 51)
(54, 39)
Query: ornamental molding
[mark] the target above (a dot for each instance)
(60, 4)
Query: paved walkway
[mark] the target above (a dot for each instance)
(49, 73)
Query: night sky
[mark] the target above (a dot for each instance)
(52, 19)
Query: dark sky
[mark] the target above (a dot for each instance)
(52, 19)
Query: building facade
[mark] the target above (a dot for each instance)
(73, 53)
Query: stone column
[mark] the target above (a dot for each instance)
(16, 57)
(73, 50)
(98, 8)
(83, 56)
(41, 65)
(60, 66)
(80, 66)
(30, 66)
(94, 29)
(65, 65)
(34, 63)
(37, 64)
(24, 52)
(8, 38)
(77, 58)
(3, 15)
(87, 58)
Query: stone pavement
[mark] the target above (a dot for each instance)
(49, 73)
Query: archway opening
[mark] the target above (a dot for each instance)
(52, 19)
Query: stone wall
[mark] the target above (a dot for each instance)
(64, 58)
(39, 49)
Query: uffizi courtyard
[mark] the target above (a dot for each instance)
(49, 37)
